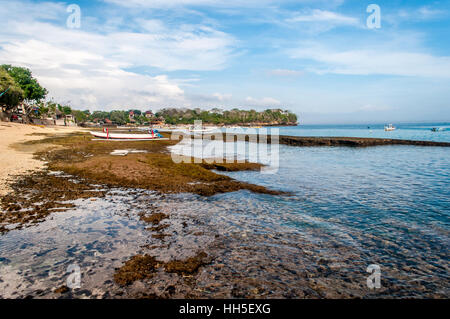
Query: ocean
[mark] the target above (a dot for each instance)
(354, 207)
(407, 131)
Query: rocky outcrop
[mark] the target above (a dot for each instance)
(352, 141)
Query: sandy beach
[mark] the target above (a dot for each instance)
(16, 161)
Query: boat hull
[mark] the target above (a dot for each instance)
(118, 136)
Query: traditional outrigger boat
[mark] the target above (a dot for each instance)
(151, 135)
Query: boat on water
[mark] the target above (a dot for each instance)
(437, 129)
(389, 128)
(151, 135)
(197, 130)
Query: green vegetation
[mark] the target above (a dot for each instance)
(32, 90)
(188, 116)
(234, 116)
(12, 93)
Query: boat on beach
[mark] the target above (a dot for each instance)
(151, 135)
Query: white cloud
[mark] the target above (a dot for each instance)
(222, 97)
(88, 68)
(265, 102)
(421, 14)
(373, 61)
(216, 3)
(161, 3)
(427, 12)
(88, 80)
(374, 108)
(285, 72)
(324, 16)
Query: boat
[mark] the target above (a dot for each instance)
(389, 128)
(437, 129)
(197, 130)
(151, 135)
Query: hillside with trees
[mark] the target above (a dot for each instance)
(228, 117)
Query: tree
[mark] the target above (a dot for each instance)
(67, 110)
(119, 117)
(136, 112)
(80, 116)
(32, 90)
(12, 93)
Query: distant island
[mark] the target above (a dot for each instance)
(22, 100)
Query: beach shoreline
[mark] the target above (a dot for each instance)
(142, 226)
(16, 161)
(19, 161)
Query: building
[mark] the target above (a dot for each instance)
(131, 116)
(157, 121)
(149, 114)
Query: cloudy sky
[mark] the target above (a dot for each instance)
(317, 58)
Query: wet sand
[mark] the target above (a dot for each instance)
(16, 161)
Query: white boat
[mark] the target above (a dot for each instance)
(198, 130)
(119, 136)
(389, 128)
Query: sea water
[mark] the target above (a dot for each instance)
(407, 131)
(346, 209)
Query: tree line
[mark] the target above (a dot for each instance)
(228, 117)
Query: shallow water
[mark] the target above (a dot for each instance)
(418, 131)
(95, 236)
(387, 205)
(349, 208)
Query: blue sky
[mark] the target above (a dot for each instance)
(316, 58)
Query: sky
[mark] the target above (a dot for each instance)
(320, 59)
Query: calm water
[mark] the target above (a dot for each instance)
(404, 131)
(349, 208)
(387, 205)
